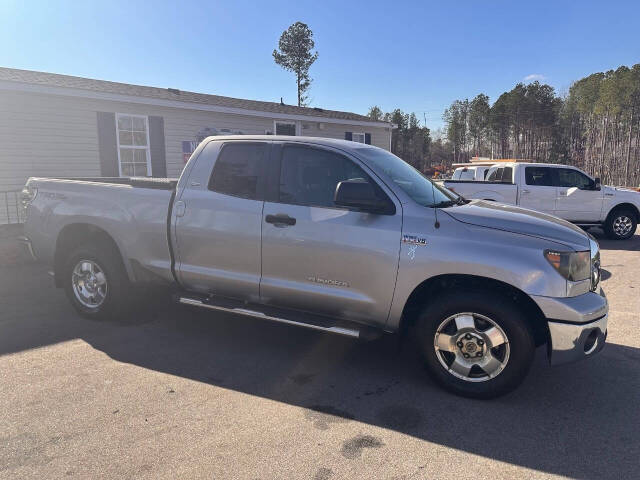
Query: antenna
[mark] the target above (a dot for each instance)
(435, 209)
(433, 188)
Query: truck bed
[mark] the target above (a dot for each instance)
(132, 211)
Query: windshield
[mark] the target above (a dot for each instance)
(410, 180)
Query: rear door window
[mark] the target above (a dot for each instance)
(539, 176)
(507, 175)
(495, 175)
(239, 170)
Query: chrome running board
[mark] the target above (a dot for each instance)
(348, 332)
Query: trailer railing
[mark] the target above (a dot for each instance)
(10, 207)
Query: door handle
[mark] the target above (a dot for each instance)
(280, 219)
(562, 193)
(526, 191)
(179, 208)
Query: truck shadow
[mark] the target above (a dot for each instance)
(633, 244)
(552, 423)
(577, 420)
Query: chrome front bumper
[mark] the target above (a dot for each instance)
(577, 326)
(571, 342)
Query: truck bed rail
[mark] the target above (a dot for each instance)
(479, 182)
(139, 182)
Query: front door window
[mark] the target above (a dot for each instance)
(310, 176)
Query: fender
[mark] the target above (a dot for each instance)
(461, 249)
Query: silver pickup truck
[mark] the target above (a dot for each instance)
(335, 236)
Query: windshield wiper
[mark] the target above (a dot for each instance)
(445, 204)
(450, 203)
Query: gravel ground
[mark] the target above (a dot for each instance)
(184, 394)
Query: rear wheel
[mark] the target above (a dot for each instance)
(621, 224)
(476, 344)
(96, 282)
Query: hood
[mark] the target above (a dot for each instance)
(626, 192)
(520, 220)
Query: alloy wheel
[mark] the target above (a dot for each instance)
(89, 284)
(471, 347)
(622, 225)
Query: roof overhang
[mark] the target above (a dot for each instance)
(116, 97)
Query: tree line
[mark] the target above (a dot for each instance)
(595, 127)
(409, 140)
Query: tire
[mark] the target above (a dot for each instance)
(621, 224)
(84, 271)
(508, 362)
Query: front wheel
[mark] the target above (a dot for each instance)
(621, 225)
(476, 344)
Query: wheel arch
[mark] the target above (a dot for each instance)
(435, 286)
(624, 206)
(74, 235)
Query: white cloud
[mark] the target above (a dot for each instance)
(535, 76)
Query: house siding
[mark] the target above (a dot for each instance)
(379, 136)
(53, 135)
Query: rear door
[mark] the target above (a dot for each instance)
(577, 199)
(537, 189)
(318, 257)
(219, 233)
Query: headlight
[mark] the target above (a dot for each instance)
(573, 266)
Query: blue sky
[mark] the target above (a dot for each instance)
(417, 56)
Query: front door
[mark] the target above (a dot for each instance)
(577, 199)
(538, 191)
(218, 234)
(320, 258)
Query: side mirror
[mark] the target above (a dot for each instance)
(597, 185)
(360, 195)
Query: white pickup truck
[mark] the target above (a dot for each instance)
(561, 190)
